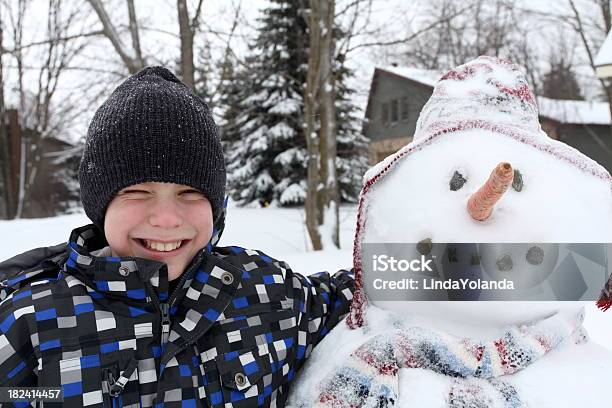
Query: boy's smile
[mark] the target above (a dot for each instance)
(165, 222)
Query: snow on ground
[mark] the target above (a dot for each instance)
(278, 232)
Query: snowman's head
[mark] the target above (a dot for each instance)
(481, 170)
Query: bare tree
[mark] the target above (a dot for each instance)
(131, 57)
(187, 29)
(5, 162)
(322, 199)
(592, 29)
(38, 118)
(17, 23)
(311, 96)
(459, 31)
(560, 81)
(228, 54)
(134, 32)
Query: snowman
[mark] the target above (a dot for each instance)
(481, 171)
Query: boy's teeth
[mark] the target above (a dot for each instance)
(160, 246)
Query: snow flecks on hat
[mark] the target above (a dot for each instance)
(485, 88)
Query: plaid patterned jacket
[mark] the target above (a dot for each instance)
(105, 329)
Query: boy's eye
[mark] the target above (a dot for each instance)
(134, 191)
(192, 194)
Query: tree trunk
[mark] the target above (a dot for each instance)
(310, 131)
(126, 55)
(26, 154)
(135, 33)
(327, 141)
(322, 197)
(8, 196)
(186, 34)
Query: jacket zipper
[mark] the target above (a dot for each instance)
(115, 386)
(165, 318)
(164, 307)
(164, 313)
(112, 400)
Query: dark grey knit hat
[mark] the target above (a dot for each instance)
(152, 128)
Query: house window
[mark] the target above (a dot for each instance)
(385, 114)
(404, 108)
(394, 111)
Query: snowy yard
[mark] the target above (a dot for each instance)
(278, 232)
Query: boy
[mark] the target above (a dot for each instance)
(142, 308)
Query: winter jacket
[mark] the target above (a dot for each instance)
(106, 330)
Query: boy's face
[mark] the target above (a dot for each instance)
(161, 221)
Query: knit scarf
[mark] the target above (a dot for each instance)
(369, 377)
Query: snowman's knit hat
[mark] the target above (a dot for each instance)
(486, 94)
(491, 94)
(486, 88)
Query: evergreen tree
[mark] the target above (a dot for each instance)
(263, 116)
(202, 73)
(560, 82)
(229, 110)
(352, 145)
(266, 160)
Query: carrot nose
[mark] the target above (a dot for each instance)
(481, 203)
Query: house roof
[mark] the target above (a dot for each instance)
(574, 112)
(562, 111)
(604, 56)
(427, 77)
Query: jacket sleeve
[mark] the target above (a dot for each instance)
(323, 300)
(18, 362)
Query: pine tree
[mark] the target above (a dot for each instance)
(352, 145)
(229, 109)
(202, 73)
(263, 117)
(267, 153)
(560, 82)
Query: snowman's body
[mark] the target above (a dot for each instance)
(572, 376)
(480, 114)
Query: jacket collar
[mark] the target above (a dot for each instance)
(126, 277)
(209, 284)
(116, 277)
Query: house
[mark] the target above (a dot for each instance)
(583, 125)
(398, 94)
(50, 171)
(396, 98)
(603, 59)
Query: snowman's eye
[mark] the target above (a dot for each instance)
(504, 263)
(424, 246)
(517, 181)
(457, 181)
(535, 255)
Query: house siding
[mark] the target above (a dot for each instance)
(389, 87)
(595, 141)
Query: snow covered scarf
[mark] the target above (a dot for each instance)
(370, 376)
(605, 299)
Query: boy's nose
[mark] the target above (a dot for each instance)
(165, 214)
